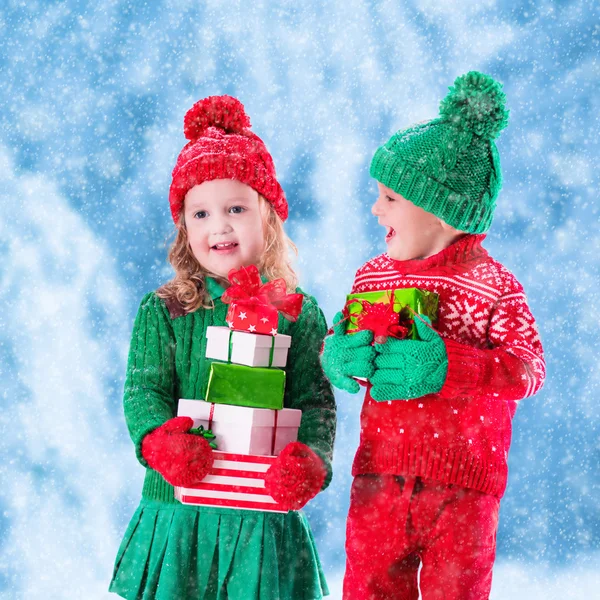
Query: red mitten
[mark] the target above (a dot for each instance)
(296, 476)
(182, 458)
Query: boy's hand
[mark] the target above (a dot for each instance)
(406, 369)
(346, 356)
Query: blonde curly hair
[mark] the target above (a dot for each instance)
(188, 286)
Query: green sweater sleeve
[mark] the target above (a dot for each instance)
(308, 389)
(149, 395)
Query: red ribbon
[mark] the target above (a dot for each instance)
(274, 434)
(247, 290)
(380, 318)
(211, 416)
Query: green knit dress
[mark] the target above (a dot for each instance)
(175, 551)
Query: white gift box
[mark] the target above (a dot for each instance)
(235, 481)
(251, 349)
(244, 430)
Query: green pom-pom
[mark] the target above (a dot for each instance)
(476, 104)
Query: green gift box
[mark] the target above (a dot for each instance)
(245, 386)
(404, 302)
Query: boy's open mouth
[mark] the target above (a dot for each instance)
(390, 234)
(224, 247)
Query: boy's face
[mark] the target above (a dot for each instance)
(224, 225)
(411, 231)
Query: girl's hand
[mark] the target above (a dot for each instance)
(346, 356)
(296, 476)
(182, 458)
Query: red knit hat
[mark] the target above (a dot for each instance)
(222, 146)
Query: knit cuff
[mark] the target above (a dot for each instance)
(465, 370)
(141, 432)
(326, 465)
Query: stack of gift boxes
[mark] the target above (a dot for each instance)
(242, 415)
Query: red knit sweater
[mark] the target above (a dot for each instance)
(462, 434)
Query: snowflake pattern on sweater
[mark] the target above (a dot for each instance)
(495, 358)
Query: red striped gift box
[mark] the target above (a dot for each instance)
(235, 481)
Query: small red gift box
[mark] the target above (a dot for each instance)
(254, 306)
(253, 319)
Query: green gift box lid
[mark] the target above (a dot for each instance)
(420, 301)
(239, 385)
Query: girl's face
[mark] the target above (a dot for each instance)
(224, 223)
(411, 231)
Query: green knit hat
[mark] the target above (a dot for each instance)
(450, 166)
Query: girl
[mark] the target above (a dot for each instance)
(228, 208)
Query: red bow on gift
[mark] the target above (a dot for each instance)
(381, 319)
(247, 290)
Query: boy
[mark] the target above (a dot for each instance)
(431, 466)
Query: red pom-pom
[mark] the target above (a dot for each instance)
(224, 112)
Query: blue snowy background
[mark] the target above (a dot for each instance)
(91, 110)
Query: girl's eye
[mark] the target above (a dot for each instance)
(201, 214)
(236, 210)
(389, 199)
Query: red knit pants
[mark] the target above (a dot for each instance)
(395, 523)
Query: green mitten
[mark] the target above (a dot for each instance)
(346, 356)
(406, 369)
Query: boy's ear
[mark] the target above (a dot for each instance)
(444, 225)
(448, 228)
